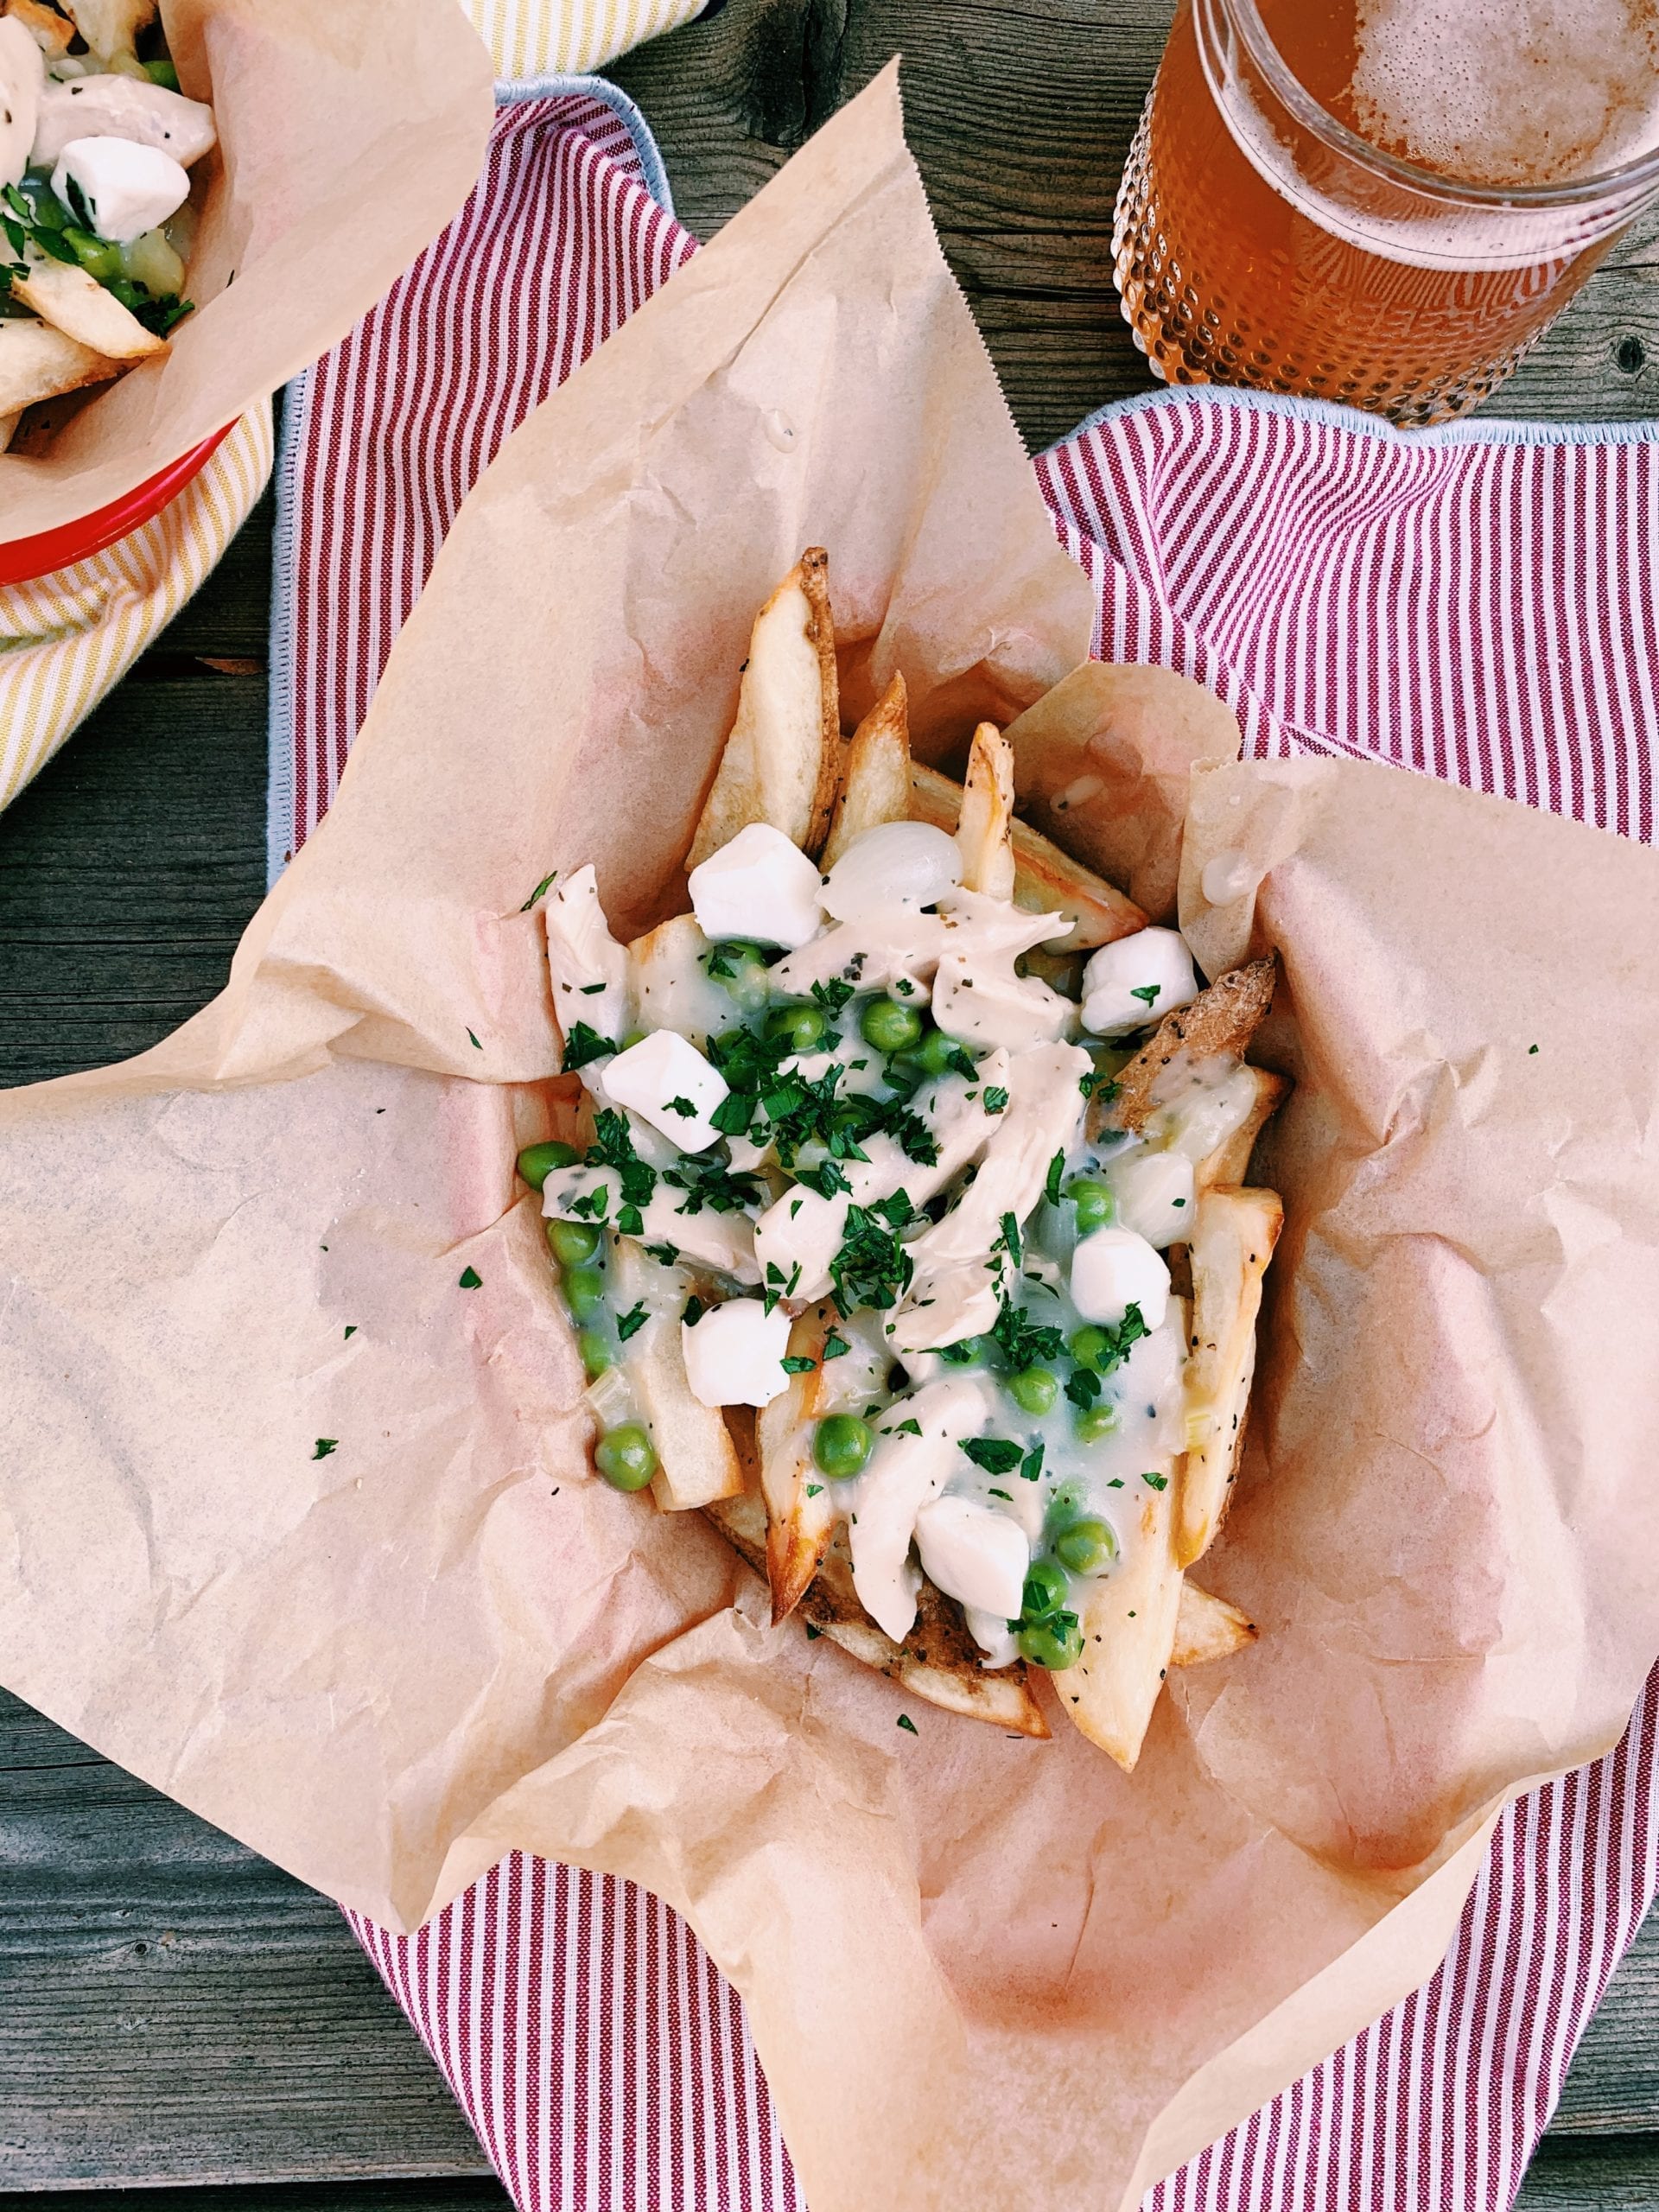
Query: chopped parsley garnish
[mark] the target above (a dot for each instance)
(351, 1329)
(583, 1047)
(997, 1455)
(813, 1634)
(613, 1147)
(591, 990)
(683, 1107)
(825, 1180)
(667, 1256)
(477, 1046)
(734, 1114)
(1531, 1049)
(630, 1324)
(1052, 1181)
(1008, 1242)
(794, 1365)
(325, 1445)
(1025, 1343)
(706, 1183)
(1082, 1387)
(1004, 1495)
(543, 886)
(692, 1312)
(961, 1355)
(814, 1490)
(470, 1279)
(1158, 1482)
(911, 1428)
(630, 1221)
(996, 1100)
(905, 1722)
(872, 1267)
(832, 996)
(1146, 992)
(1032, 1465)
(835, 1347)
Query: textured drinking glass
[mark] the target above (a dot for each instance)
(1262, 240)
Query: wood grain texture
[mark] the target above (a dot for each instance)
(171, 2008)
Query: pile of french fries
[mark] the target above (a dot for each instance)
(786, 763)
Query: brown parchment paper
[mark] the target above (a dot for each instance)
(981, 1974)
(349, 131)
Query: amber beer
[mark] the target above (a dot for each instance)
(1381, 202)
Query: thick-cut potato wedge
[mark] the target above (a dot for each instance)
(50, 31)
(1233, 1237)
(1129, 1633)
(8, 429)
(1046, 879)
(37, 362)
(671, 989)
(1207, 1628)
(985, 825)
(876, 787)
(696, 1460)
(938, 1662)
(1230, 1163)
(798, 1527)
(62, 294)
(1222, 1020)
(782, 761)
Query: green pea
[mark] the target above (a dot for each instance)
(161, 72)
(1094, 1202)
(842, 1445)
(1090, 1345)
(626, 1457)
(572, 1241)
(1095, 1421)
(584, 1292)
(538, 1161)
(889, 1027)
(596, 1354)
(634, 1037)
(1087, 1546)
(1046, 1590)
(1056, 1643)
(800, 1027)
(96, 255)
(936, 1051)
(1034, 1388)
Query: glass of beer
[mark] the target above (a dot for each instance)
(1381, 202)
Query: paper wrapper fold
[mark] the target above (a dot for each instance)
(301, 1530)
(350, 132)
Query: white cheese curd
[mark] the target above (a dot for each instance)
(120, 188)
(1154, 962)
(1113, 1269)
(107, 105)
(974, 1553)
(907, 863)
(660, 1079)
(1154, 1194)
(795, 1239)
(589, 968)
(734, 1355)
(758, 886)
(984, 1002)
(904, 1472)
(996, 1639)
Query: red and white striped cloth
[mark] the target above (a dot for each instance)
(1478, 604)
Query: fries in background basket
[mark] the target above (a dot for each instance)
(908, 1237)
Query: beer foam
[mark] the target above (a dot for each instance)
(1509, 92)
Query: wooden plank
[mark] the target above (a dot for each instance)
(1019, 120)
(1572, 2175)
(128, 871)
(480, 2193)
(174, 2009)
(1614, 2083)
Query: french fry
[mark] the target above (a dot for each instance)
(782, 761)
(112, 27)
(696, 1461)
(1233, 1237)
(9, 429)
(985, 825)
(938, 1661)
(37, 362)
(671, 987)
(797, 1526)
(50, 31)
(1129, 1633)
(64, 295)
(1046, 879)
(1207, 1628)
(1230, 1163)
(1220, 1021)
(875, 786)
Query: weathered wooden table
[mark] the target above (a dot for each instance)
(172, 2009)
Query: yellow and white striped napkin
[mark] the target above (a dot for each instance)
(66, 639)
